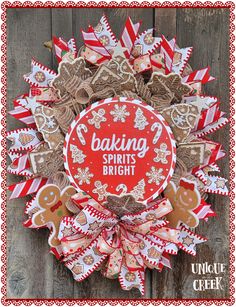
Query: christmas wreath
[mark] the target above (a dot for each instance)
(115, 153)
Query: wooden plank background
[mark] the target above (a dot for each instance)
(33, 272)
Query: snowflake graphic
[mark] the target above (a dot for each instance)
(98, 118)
(179, 120)
(119, 113)
(51, 123)
(77, 154)
(155, 175)
(84, 175)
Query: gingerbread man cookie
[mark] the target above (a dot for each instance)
(53, 203)
(183, 199)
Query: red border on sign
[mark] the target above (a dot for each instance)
(70, 4)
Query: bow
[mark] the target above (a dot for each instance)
(121, 247)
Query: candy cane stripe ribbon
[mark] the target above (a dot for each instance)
(167, 49)
(204, 211)
(201, 75)
(208, 116)
(27, 187)
(91, 41)
(129, 36)
(60, 46)
(23, 115)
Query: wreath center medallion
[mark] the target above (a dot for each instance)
(120, 146)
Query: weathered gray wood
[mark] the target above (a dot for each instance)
(165, 22)
(61, 21)
(207, 31)
(29, 263)
(116, 17)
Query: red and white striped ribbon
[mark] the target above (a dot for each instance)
(19, 165)
(20, 101)
(167, 49)
(129, 36)
(216, 153)
(164, 261)
(208, 116)
(27, 187)
(60, 46)
(221, 122)
(16, 168)
(22, 162)
(91, 41)
(204, 211)
(201, 75)
(23, 115)
(14, 155)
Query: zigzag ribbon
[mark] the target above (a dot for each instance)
(104, 33)
(23, 139)
(40, 75)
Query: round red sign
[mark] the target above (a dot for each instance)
(120, 146)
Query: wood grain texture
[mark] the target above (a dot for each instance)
(32, 271)
(29, 263)
(207, 31)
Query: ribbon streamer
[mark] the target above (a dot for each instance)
(167, 50)
(40, 75)
(27, 187)
(23, 115)
(201, 75)
(23, 139)
(92, 42)
(129, 36)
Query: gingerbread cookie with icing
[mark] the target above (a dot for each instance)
(172, 83)
(184, 200)
(48, 126)
(53, 203)
(181, 118)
